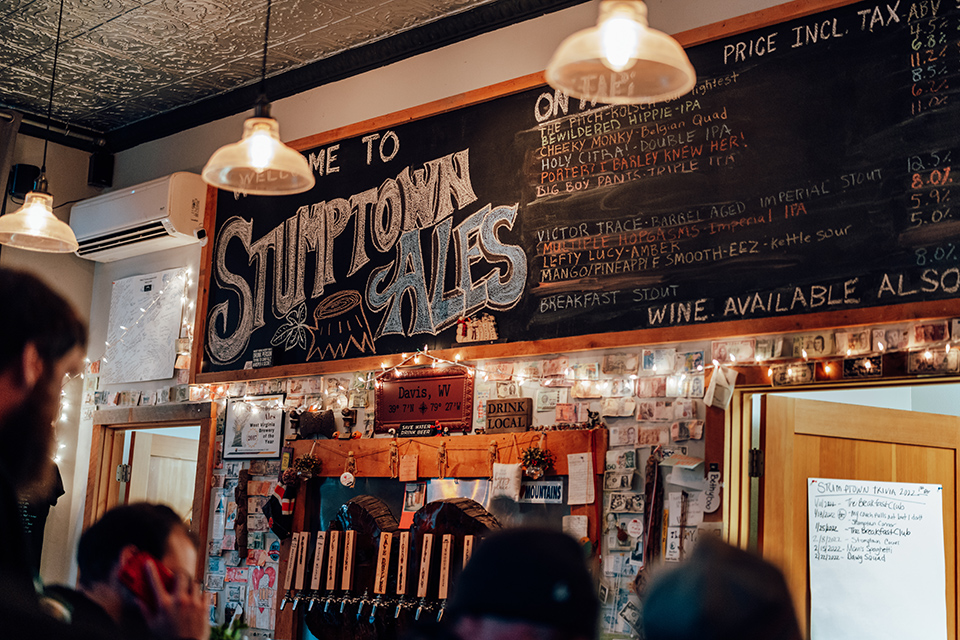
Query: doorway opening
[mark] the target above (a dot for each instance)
(160, 465)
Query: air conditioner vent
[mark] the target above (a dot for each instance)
(156, 215)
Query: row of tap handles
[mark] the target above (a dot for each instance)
(327, 545)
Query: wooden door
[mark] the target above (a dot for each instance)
(811, 439)
(163, 469)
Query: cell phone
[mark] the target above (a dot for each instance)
(133, 575)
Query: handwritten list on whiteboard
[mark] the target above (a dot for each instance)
(877, 567)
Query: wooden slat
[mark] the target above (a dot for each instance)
(467, 456)
(181, 412)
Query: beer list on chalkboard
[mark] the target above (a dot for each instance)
(809, 170)
(876, 552)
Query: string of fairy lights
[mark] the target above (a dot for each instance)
(186, 305)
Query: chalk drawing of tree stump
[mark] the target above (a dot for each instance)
(339, 324)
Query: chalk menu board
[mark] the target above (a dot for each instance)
(877, 567)
(810, 170)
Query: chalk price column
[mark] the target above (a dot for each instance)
(932, 52)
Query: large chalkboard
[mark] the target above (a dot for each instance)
(810, 170)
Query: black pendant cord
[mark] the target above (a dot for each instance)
(262, 109)
(42, 178)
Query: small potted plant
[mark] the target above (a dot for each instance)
(536, 461)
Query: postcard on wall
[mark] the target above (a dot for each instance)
(651, 436)
(684, 409)
(853, 343)
(617, 407)
(618, 387)
(625, 502)
(556, 366)
(929, 333)
(769, 348)
(866, 367)
(930, 361)
(586, 389)
(786, 375)
(620, 364)
(586, 371)
(659, 360)
(890, 339)
(691, 361)
(509, 389)
(566, 412)
(254, 428)
(615, 481)
(547, 399)
(623, 436)
(621, 460)
(652, 387)
(654, 410)
(734, 350)
(813, 345)
(498, 371)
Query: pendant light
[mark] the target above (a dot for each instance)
(259, 164)
(33, 226)
(621, 60)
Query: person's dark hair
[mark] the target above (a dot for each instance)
(143, 525)
(720, 593)
(532, 575)
(36, 313)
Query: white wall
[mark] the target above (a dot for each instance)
(488, 59)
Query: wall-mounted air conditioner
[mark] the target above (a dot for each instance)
(160, 214)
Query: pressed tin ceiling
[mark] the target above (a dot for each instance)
(130, 71)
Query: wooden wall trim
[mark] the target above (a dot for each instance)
(173, 412)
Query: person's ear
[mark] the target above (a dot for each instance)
(31, 365)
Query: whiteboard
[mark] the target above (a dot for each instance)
(877, 567)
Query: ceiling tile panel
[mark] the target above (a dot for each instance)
(206, 12)
(124, 61)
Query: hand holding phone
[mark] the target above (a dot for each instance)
(133, 575)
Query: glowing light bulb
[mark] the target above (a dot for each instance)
(827, 368)
(880, 344)
(867, 364)
(619, 36)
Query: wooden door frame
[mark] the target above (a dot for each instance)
(106, 451)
